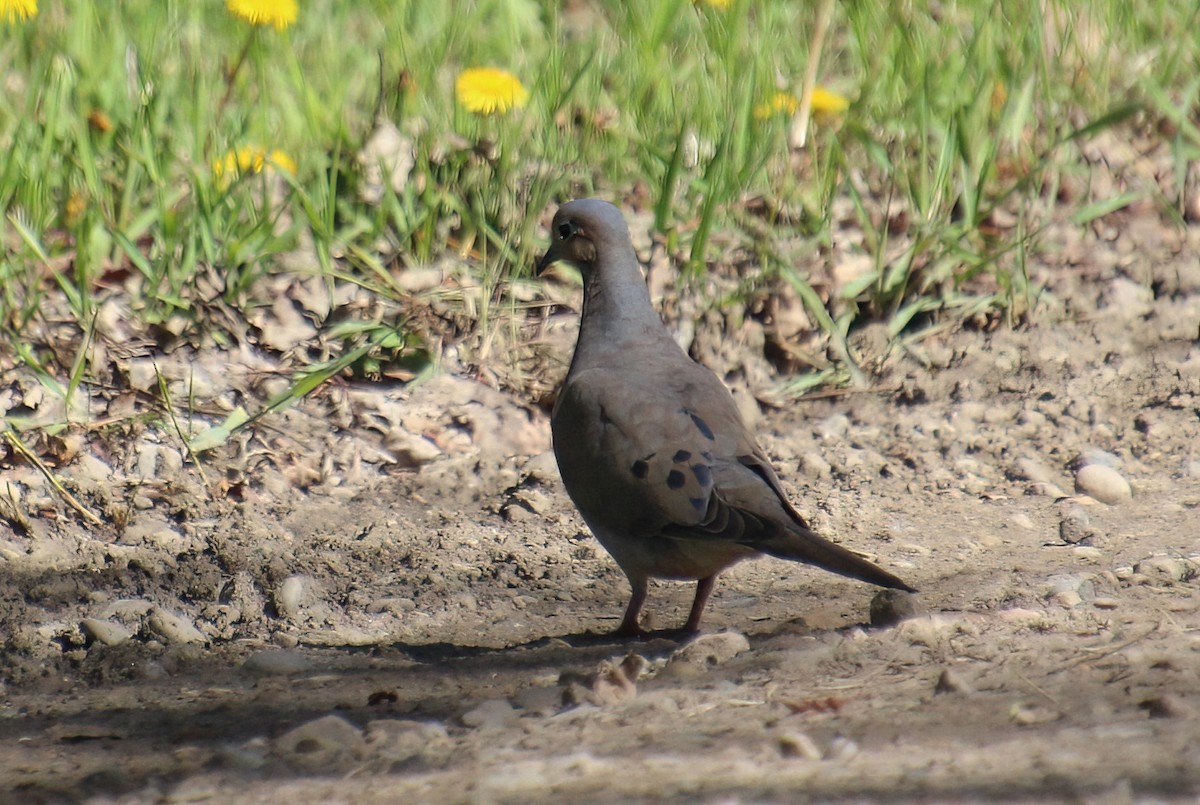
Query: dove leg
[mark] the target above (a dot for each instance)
(704, 589)
(629, 624)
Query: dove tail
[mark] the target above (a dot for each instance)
(802, 545)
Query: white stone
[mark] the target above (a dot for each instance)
(1103, 483)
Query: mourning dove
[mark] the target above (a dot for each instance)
(650, 444)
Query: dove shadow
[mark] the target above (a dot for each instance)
(571, 648)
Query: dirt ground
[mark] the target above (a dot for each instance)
(382, 594)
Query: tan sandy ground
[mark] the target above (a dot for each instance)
(419, 629)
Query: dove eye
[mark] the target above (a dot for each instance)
(565, 230)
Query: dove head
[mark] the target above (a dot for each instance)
(588, 232)
(616, 304)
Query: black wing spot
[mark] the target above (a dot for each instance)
(682, 456)
(701, 425)
(707, 456)
(639, 469)
(703, 474)
(675, 479)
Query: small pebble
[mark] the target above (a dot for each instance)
(1103, 483)
(1162, 569)
(1046, 490)
(710, 650)
(174, 628)
(533, 500)
(326, 744)
(1067, 599)
(1106, 603)
(105, 632)
(1074, 525)
(889, 607)
(798, 745)
(1076, 582)
(542, 469)
(288, 596)
(841, 748)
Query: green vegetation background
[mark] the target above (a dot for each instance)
(113, 116)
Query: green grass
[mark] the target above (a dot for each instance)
(111, 122)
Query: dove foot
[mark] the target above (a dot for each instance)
(704, 589)
(629, 624)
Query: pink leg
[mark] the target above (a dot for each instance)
(629, 624)
(704, 589)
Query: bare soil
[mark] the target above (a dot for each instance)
(382, 594)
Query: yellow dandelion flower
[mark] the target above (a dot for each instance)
(250, 159)
(17, 10)
(280, 13)
(781, 103)
(824, 103)
(718, 4)
(488, 90)
(281, 161)
(827, 102)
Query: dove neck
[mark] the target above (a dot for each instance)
(616, 309)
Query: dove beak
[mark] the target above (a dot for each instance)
(548, 259)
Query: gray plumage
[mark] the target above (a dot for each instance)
(650, 444)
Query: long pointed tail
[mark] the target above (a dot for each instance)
(802, 545)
